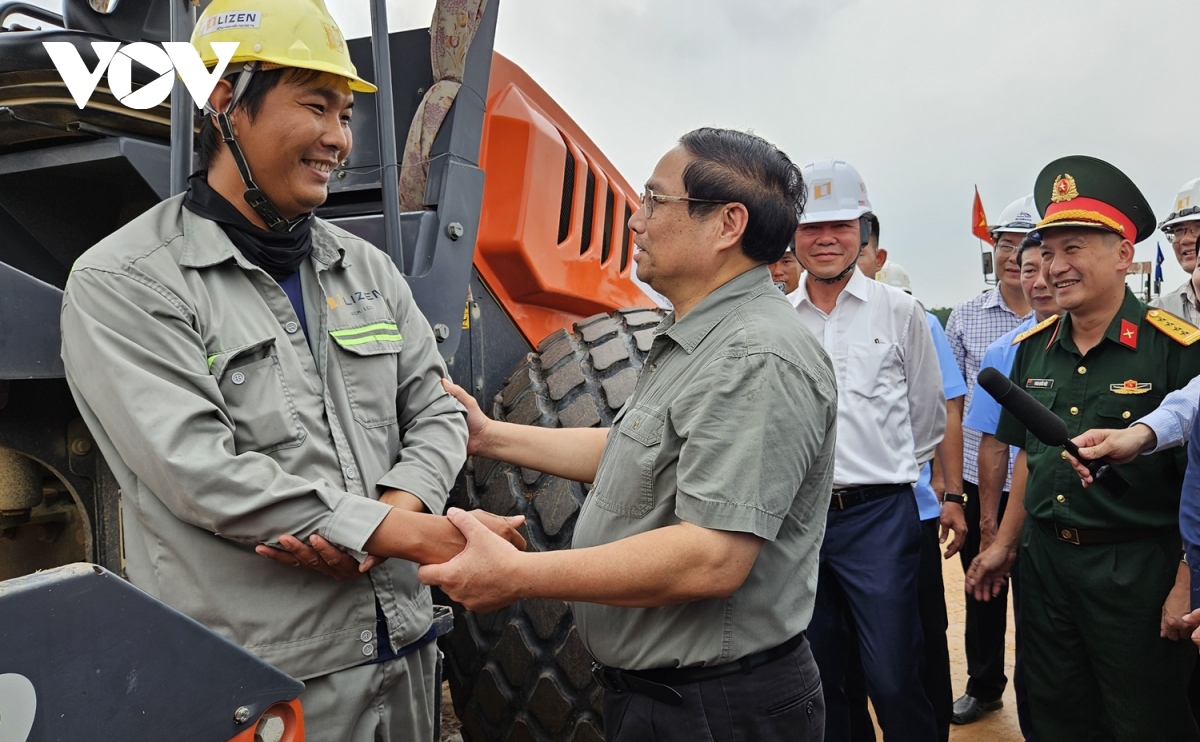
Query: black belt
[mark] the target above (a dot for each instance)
(851, 496)
(1094, 536)
(658, 684)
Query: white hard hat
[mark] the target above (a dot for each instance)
(893, 274)
(836, 192)
(1187, 205)
(1020, 216)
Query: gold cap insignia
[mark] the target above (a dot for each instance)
(1064, 189)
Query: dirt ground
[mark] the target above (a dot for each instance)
(1000, 726)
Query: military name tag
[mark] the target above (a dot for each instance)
(1131, 387)
(1039, 383)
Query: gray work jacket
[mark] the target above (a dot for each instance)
(226, 428)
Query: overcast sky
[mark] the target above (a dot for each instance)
(925, 98)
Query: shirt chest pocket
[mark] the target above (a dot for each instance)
(871, 368)
(626, 484)
(257, 398)
(1118, 410)
(369, 358)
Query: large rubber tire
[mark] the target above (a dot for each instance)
(522, 673)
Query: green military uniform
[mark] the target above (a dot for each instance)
(1096, 569)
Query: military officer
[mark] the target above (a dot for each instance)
(1099, 573)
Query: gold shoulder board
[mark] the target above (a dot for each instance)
(1035, 329)
(1173, 327)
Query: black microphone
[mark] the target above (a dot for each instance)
(1047, 427)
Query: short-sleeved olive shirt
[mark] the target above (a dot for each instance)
(1121, 379)
(731, 427)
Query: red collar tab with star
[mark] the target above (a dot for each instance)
(1129, 332)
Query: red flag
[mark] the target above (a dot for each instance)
(979, 225)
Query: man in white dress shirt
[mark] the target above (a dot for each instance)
(891, 415)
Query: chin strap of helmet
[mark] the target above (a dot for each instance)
(864, 229)
(253, 195)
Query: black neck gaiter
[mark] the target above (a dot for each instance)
(280, 255)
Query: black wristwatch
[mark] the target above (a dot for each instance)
(960, 499)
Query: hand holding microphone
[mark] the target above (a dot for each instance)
(1047, 427)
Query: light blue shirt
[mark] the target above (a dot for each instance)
(1172, 421)
(983, 414)
(953, 386)
(971, 328)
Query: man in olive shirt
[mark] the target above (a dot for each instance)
(694, 565)
(1098, 571)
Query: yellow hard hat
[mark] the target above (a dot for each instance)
(285, 33)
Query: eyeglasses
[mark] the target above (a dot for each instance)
(1182, 230)
(649, 198)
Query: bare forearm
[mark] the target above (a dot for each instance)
(417, 537)
(1009, 534)
(950, 449)
(570, 453)
(993, 470)
(937, 482)
(665, 566)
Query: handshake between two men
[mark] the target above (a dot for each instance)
(409, 531)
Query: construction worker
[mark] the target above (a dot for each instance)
(785, 272)
(239, 364)
(1099, 572)
(939, 517)
(694, 560)
(1182, 226)
(972, 327)
(983, 416)
(891, 415)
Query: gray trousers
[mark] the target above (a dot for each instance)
(779, 701)
(388, 702)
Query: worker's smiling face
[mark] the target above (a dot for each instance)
(296, 140)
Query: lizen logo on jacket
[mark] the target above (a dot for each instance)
(174, 56)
